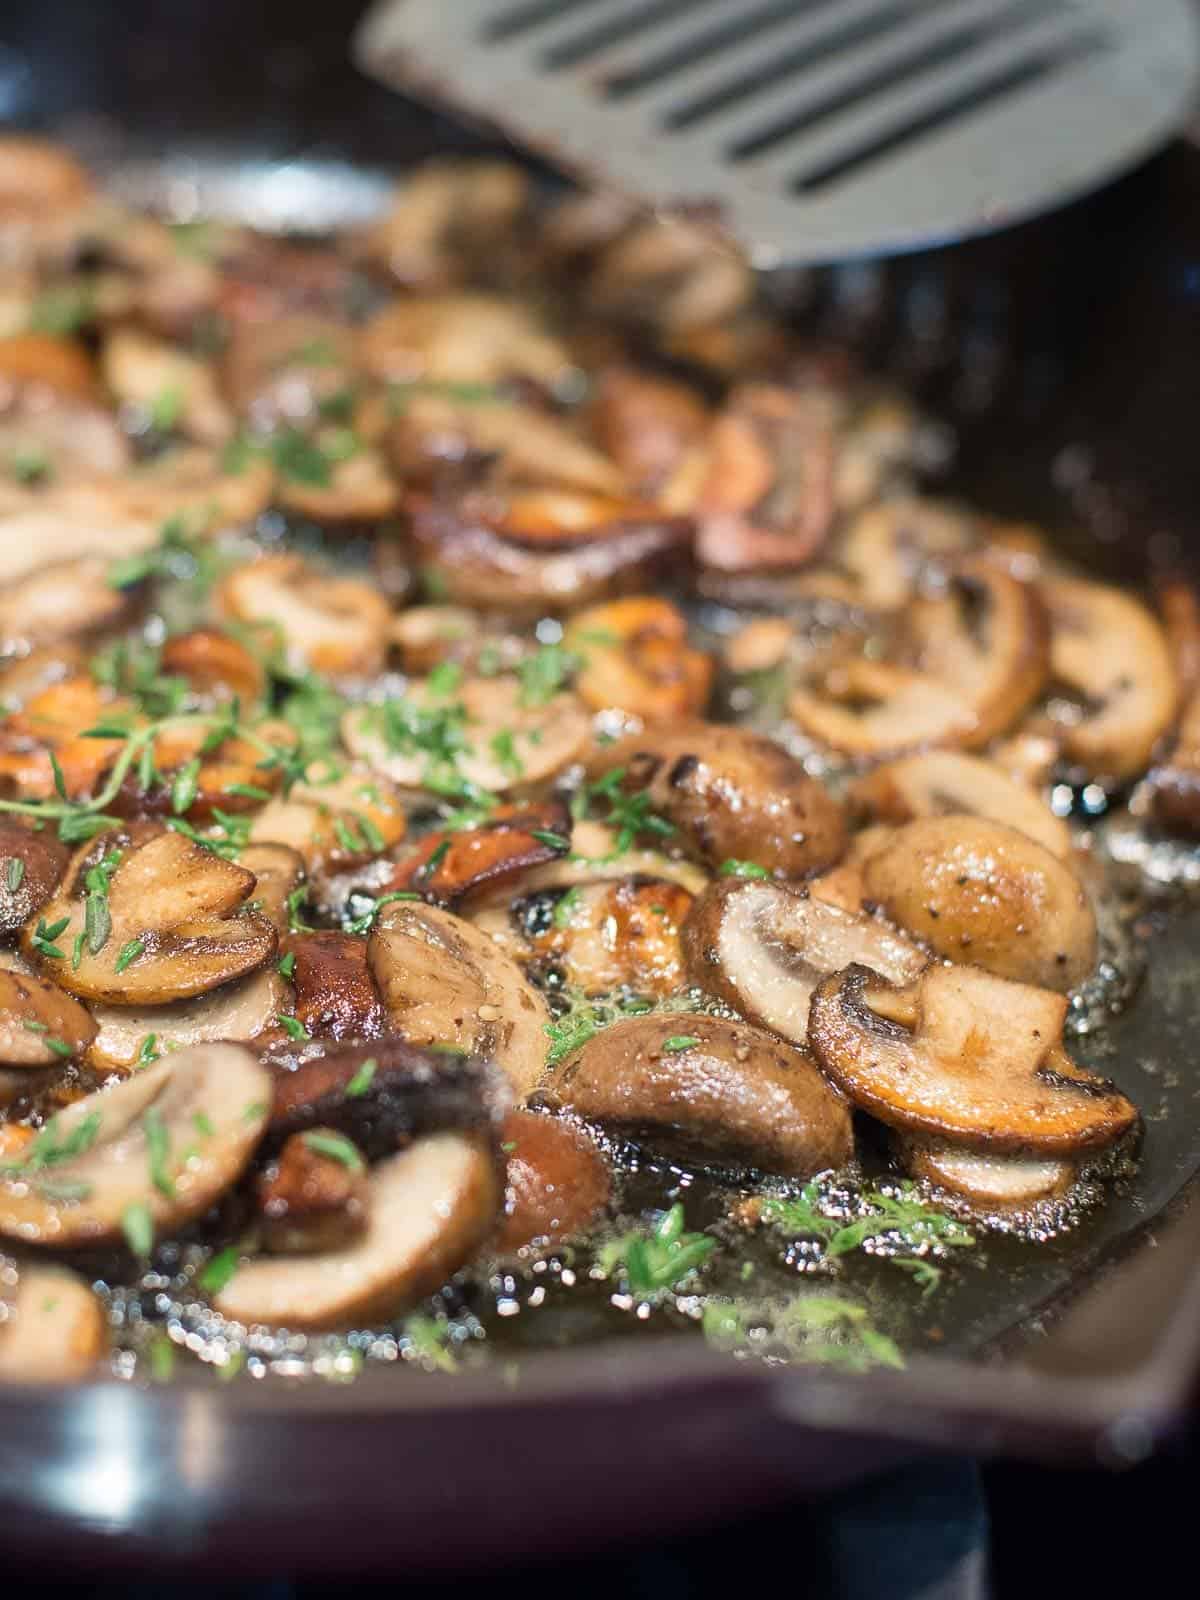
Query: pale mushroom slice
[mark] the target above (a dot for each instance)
(172, 926)
(473, 339)
(731, 795)
(40, 1024)
(965, 1056)
(166, 386)
(60, 601)
(443, 982)
(278, 872)
(763, 948)
(942, 781)
(428, 1209)
(496, 739)
(54, 1331)
(237, 1012)
(875, 708)
(986, 636)
(983, 893)
(988, 1182)
(314, 1196)
(332, 624)
(164, 1143)
(1109, 651)
(708, 1090)
(334, 823)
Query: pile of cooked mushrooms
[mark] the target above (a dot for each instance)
(478, 697)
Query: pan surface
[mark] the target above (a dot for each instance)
(1063, 351)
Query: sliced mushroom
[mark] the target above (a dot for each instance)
(557, 1181)
(238, 1012)
(647, 424)
(636, 659)
(428, 1209)
(980, 892)
(943, 781)
(64, 600)
(282, 371)
(764, 947)
(606, 936)
(335, 625)
(196, 482)
(1110, 652)
(333, 825)
(175, 927)
(966, 1056)
(462, 339)
(59, 364)
(425, 636)
(54, 1330)
(311, 1201)
(143, 1142)
(31, 867)
(278, 873)
(478, 560)
(356, 488)
(446, 219)
(501, 742)
(874, 708)
(216, 666)
(732, 794)
(335, 993)
(986, 636)
(166, 386)
(444, 982)
(843, 885)
(451, 865)
(704, 1089)
(68, 528)
(37, 177)
(989, 1182)
(767, 501)
(40, 1024)
(670, 273)
(1175, 783)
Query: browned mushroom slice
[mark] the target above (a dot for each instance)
(462, 339)
(31, 868)
(670, 274)
(54, 1332)
(767, 500)
(333, 824)
(557, 1180)
(238, 1011)
(38, 176)
(877, 561)
(843, 885)
(980, 892)
(504, 742)
(165, 386)
(445, 219)
(647, 424)
(943, 781)
(384, 1093)
(732, 794)
(1175, 782)
(335, 993)
(40, 1024)
(1107, 650)
(217, 667)
(314, 1195)
(704, 1089)
(356, 488)
(763, 948)
(173, 924)
(335, 625)
(280, 372)
(963, 1055)
(452, 864)
(873, 708)
(604, 936)
(636, 659)
(989, 1182)
(216, 489)
(987, 637)
(278, 872)
(168, 1141)
(428, 1209)
(445, 982)
(479, 561)
(63, 600)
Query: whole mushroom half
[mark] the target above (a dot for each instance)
(52, 1327)
(708, 1090)
(732, 795)
(168, 1141)
(981, 892)
(964, 1056)
(764, 947)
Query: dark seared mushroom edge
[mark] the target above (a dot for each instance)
(520, 820)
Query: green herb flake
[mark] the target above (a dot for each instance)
(287, 964)
(679, 1042)
(14, 874)
(552, 840)
(147, 1052)
(742, 869)
(128, 954)
(362, 1079)
(138, 1227)
(659, 1258)
(293, 1027)
(337, 1148)
(565, 910)
(218, 1270)
(158, 1149)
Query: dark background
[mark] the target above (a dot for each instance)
(278, 64)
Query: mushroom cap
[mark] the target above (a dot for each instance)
(172, 897)
(235, 1011)
(732, 794)
(444, 982)
(556, 1180)
(82, 1199)
(764, 947)
(55, 1330)
(40, 1024)
(428, 1209)
(336, 996)
(608, 935)
(965, 1056)
(978, 891)
(706, 1089)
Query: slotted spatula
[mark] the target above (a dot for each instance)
(813, 130)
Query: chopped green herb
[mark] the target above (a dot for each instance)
(203, 1124)
(219, 1269)
(362, 1079)
(166, 408)
(249, 791)
(297, 898)
(660, 1258)
(45, 935)
(138, 1227)
(546, 672)
(567, 906)
(62, 310)
(629, 814)
(128, 954)
(161, 1352)
(255, 1110)
(680, 1041)
(337, 1148)
(552, 840)
(742, 869)
(31, 466)
(366, 921)
(504, 748)
(14, 874)
(293, 1027)
(430, 1341)
(158, 1148)
(287, 964)
(147, 1051)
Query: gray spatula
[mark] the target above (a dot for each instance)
(814, 130)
